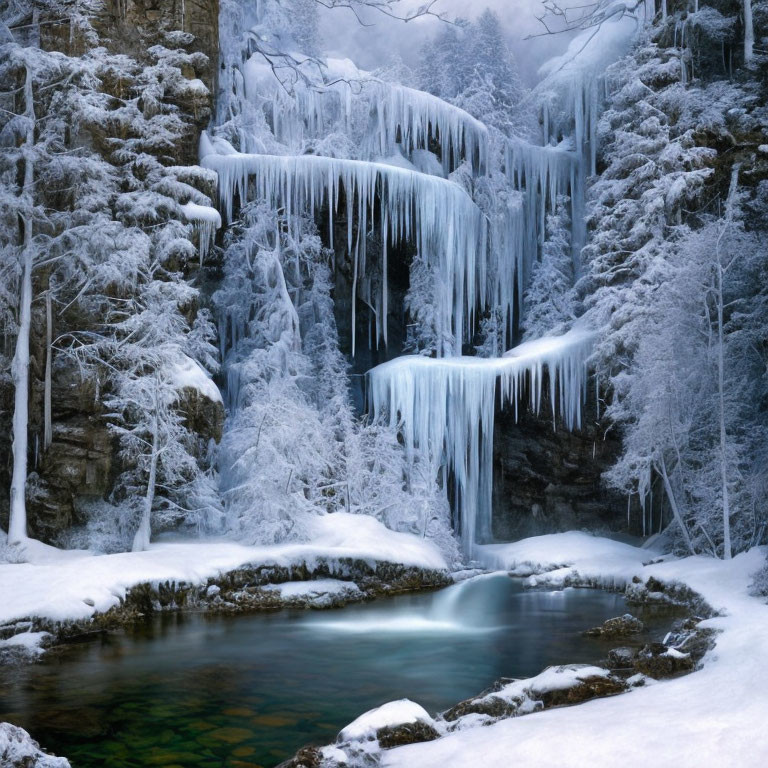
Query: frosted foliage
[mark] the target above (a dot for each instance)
(448, 228)
(293, 448)
(548, 300)
(445, 409)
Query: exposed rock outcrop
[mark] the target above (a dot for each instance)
(547, 479)
(620, 626)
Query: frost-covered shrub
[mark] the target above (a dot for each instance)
(759, 586)
(107, 527)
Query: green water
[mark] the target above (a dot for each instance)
(204, 692)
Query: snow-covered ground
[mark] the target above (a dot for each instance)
(710, 719)
(71, 585)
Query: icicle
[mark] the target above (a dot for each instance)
(399, 116)
(206, 221)
(448, 228)
(445, 408)
(542, 174)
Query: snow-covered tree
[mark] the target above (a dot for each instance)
(548, 301)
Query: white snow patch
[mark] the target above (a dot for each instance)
(29, 642)
(187, 373)
(55, 584)
(18, 748)
(387, 715)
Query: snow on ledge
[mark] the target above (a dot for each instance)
(187, 373)
(300, 589)
(65, 585)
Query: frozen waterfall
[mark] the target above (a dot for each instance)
(445, 408)
(449, 230)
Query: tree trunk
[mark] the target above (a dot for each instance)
(675, 509)
(719, 272)
(47, 423)
(749, 33)
(141, 539)
(17, 524)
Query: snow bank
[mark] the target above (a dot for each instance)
(565, 554)
(387, 715)
(709, 719)
(446, 408)
(60, 585)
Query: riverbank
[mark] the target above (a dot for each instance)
(58, 594)
(713, 717)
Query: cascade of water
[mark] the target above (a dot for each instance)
(445, 409)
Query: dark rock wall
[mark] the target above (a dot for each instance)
(82, 460)
(547, 479)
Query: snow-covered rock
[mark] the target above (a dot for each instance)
(19, 750)
(386, 716)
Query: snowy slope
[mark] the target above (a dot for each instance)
(709, 719)
(55, 584)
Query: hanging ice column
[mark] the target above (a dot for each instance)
(206, 221)
(570, 98)
(448, 228)
(543, 174)
(445, 409)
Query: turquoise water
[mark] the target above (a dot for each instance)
(198, 691)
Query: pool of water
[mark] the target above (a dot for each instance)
(202, 692)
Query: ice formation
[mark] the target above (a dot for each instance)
(206, 221)
(449, 230)
(297, 140)
(445, 408)
(543, 174)
(574, 87)
(399, 116)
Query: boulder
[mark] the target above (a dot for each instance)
(406, 733)
(660, 661)
(620, 626)
(621, 658)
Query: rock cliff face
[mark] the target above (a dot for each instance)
(82, 462)
(132, 27)
(547, 479)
